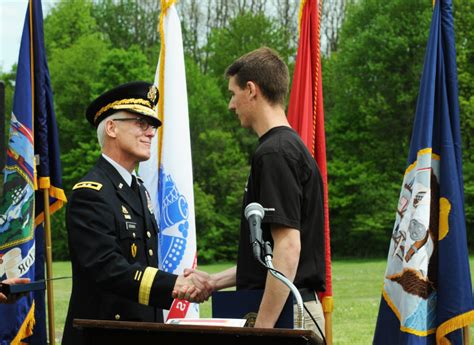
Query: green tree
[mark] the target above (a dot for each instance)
(373, 80)
(129, 21)
(220, 182)
(246, 32)
(207, 108)
(464, 30)
(371, 88)
(120, 66)
(74, 50)
(8, 79)
(74, 72)
(221, 148)
(67, 22)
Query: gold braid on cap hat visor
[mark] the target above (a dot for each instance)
(140, 105)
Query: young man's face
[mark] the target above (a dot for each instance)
(240, 102)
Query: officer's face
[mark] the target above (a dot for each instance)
(134, 135)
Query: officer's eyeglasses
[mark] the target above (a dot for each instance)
(141, 122)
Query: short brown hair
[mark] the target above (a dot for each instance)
(265, 68)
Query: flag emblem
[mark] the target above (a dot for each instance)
(411, 281)
(174, 223)
(15, 213)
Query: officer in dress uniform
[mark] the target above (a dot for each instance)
(112, 230)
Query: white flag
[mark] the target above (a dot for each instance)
(168, 173)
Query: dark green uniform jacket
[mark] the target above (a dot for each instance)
(113, 248)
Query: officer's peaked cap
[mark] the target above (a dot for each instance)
(138, 97)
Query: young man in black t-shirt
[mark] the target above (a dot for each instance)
(284, 177)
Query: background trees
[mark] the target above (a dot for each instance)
(373, 53)
(373, 80)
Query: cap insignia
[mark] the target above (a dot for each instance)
(152, 93)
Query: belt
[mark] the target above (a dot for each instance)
(307, 295)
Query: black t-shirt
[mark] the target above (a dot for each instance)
(284, 176)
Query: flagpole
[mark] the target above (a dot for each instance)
(49, 266)
(47, 223)
(319, 153)
(466, 334)
(328, 326)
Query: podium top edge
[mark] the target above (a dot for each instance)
(165, 328)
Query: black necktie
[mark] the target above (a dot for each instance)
(134, 186)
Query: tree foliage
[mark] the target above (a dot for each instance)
(129, 21)
(220, 179)
(67, 22)
(464, 29)
(371, 79)
(246, 32)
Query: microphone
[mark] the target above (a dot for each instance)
(254, 213)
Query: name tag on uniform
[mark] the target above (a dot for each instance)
(131, 225)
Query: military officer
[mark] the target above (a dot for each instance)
(112, 231)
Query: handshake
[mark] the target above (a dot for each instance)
(194, 286)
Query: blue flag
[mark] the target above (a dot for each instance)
(427, 293)
(32, 167)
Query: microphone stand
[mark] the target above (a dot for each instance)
(299, 301)
(254, 212)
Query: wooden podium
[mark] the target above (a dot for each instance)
(125, 332)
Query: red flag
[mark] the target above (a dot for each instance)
(306, 115)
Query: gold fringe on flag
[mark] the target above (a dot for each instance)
(453, 324)
(26, 328)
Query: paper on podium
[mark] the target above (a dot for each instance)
(244, 304)
(208, 322)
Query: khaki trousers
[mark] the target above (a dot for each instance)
(316, 310)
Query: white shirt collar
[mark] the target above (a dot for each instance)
(121, 170)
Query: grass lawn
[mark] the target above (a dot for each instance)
(357, 286)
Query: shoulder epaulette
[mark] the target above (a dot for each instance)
(88, 184)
